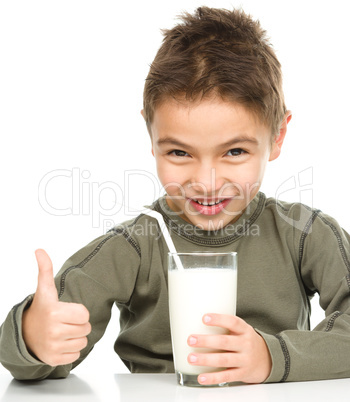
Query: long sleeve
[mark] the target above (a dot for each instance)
(323, 353)
(98, 275)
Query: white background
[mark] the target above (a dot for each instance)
(71, 82)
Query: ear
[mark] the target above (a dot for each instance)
(278, 141)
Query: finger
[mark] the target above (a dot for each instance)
(231, 322)
(73, 313)
(230, 343)
(62, 359)
(232, 360)
(221, 377)
(75, 345)
(70, 331)
(68, 346)
(46, 285)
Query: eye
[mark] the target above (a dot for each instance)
(236, 152)
(178, 152)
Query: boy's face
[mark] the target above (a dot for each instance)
(211, 157)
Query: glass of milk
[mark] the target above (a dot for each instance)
(199, 283)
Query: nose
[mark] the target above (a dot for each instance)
(206, 180)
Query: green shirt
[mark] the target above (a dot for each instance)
(286, 253)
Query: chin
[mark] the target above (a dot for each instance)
(210, 225)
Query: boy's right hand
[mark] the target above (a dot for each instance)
(54, 331)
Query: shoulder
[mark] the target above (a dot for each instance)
(296, 216)
(304, 220)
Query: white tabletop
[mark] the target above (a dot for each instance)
(163, 387)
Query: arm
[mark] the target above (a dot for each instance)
(324, 352)
(292, 355)
(91, 278)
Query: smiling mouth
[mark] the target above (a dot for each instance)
(209, 207)
(210, 203)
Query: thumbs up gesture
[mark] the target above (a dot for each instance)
(54, 331)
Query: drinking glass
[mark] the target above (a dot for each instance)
(199, 283)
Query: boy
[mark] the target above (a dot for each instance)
(214, 109)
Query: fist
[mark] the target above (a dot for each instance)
(55, 332)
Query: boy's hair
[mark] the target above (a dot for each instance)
(217, 52)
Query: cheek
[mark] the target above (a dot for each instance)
(249, 177)
(170, 180)
(245, 174)
(169, 172)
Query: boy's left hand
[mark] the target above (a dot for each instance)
(243, 351)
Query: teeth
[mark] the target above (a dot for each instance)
(209, 203)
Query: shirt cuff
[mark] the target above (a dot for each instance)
(17, 322)
(279, 356)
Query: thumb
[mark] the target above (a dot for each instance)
(46, 284)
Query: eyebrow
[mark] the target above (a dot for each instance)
(230, 143)
(172, 141)
(239, 140)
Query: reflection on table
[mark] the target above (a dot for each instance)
(163, 387)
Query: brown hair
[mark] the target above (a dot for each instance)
(217, 52)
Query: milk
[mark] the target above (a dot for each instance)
(193, 292)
